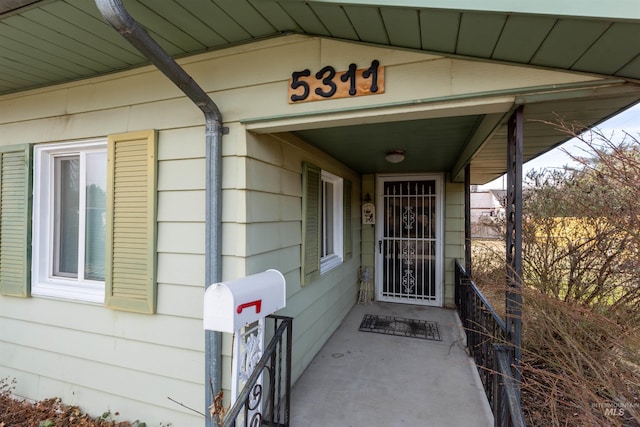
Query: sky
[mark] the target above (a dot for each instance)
(627, 121)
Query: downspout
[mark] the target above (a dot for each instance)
(118, 17)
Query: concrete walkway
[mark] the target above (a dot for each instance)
(367, 379)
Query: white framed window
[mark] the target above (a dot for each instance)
(327, 239)
(69, 220)
(331, 238)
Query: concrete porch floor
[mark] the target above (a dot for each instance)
(367, 379)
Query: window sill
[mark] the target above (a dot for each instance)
(329, 263)
(73, 291)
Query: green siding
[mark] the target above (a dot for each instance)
(319, 306)
(453, 237)
(131, 222)
(15, 220)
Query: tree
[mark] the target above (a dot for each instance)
(581, 265)
(581, 233)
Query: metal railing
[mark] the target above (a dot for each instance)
(488, 344)
(506, 407)
(266, 397)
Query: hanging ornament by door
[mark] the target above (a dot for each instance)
(368, 213)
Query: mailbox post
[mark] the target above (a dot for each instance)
(240, 307)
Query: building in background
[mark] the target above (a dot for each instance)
(487, 213)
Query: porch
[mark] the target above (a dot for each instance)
(372, 379)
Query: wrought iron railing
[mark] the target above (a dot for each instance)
(488, 344)
(506, 407)
(266, 396)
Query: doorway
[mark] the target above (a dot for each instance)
(409, 239)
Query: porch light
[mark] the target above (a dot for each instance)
(395, 156)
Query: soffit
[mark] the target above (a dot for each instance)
(442, 143)
(541, 132)
(62, 40)
(55, 41)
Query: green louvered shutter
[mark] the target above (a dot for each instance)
(131, 222)
(311, 193)
(348, 244)
(15, 220)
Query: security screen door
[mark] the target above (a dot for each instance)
(409, 240)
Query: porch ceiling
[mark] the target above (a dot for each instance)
(448, 143)
(429, 144)
(54, 41)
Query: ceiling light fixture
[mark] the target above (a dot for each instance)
(395, 156)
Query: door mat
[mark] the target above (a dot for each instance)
(400, 326)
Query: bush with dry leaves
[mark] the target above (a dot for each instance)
(581, 292)
(49, 413)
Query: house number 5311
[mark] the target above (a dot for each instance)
(328, 83)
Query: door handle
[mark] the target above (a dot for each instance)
(379, 246)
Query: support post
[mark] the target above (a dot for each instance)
(467, 219)
(514, 237)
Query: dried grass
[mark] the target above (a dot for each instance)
(579, 367)
(48, 413)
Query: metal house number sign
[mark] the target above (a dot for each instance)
(328, 83)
